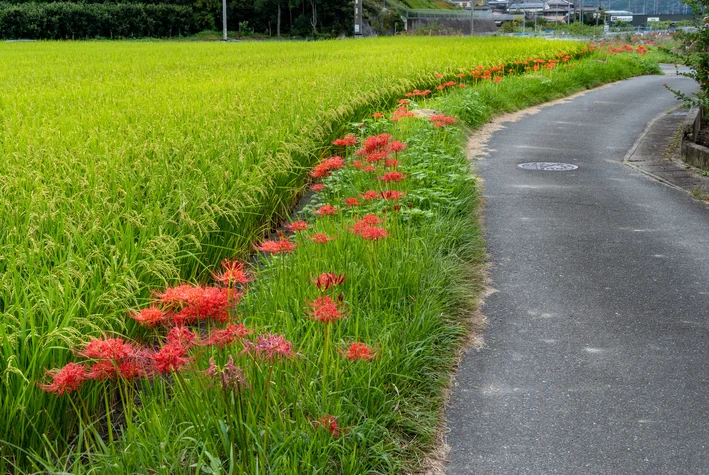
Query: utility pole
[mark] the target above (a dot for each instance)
(358, 18)
(472, 17)
(224, 38)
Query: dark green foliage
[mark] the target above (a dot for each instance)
(694, 52)
(65, 20)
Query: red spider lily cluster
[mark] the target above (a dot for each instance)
(442, 120)
(329, 424)
(174, 310)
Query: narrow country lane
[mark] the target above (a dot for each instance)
(597, 357)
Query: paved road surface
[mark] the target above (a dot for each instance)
(598, 343)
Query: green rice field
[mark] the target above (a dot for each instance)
(127, 167)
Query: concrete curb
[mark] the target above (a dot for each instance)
(657, 154)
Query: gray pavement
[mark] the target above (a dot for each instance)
(598, 340)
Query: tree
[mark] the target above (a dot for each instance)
(694, 52)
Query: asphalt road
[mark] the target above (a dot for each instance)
(597, 357)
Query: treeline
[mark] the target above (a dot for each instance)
(22, 19)
(65, 20)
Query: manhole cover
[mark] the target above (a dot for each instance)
(548, 166)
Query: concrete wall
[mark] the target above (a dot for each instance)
(482, 25)
(693, 154)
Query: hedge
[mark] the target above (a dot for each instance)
(65, 20)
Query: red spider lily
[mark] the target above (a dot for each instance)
(66, 379)
(371, 233)
(368, 220)
(149, 317)
(392, 195)
(327, 279)
(229, 376)
(276, 247)
(271, 347)
(201, 303)
(103, 370)
(376, 143)
(392, 176)
(439, 124)
(321, 238)
(109, 349)
(375, 157)
(230, 334)
(325, 310)
(329, 423)
(397, 146)
(357, 164)
(401, 113)
(297, 226)
(369, 169)
(318, 187)
(130, 370)
(347, 141)
(370, 195)
(233, 273)
(352, 201)
(181, 335)
(404, 101)
(392, 163)
(438, 75)
(461, 85)
(378, 115)
(359, 351)
(326, 210)
(324, 168)
(171, 357)
(441, 87)
(497, 79)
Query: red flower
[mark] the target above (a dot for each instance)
(171, 357)
(297, 226)
(392, 176)
(357, 164)
(352, 201)
(369, 168)
(359, 351)
(321, 238)
(181, 335)
(130, 370)
(66, 379)
(102, 370)
(326, 280)
(318, 187)
(326, 210)
(276, 247)
(149, 317)
(324, 168)
(368, 220)
(329, 423)
(325, 310)
(347, 141)
(230, 376)
(228, 335)
(371, 233)
(108, 349)
(375, 157)
(392, 163)
(461, 85)
(205, 302)
(233, 273)
(392, 195)
(271, 347)
(497, 79)
(370, 195)
(438, 75)
(378, 115)
(404, 101)
(397, 146)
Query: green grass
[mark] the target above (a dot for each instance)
(129, 166)
(408, 296)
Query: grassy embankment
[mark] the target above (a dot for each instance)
(407, 296)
